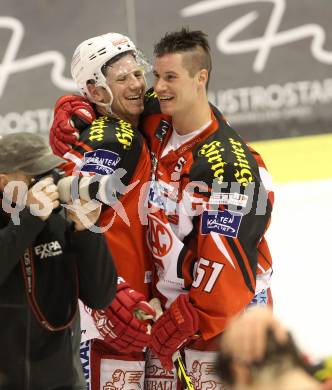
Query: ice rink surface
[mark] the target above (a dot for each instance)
(300, 238)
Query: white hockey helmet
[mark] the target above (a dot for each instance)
(92, 54)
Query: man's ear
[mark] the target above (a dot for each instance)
(97, 93)
(203, 77)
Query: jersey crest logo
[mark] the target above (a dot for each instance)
(160, 239)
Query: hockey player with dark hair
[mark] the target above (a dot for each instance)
(211, 204)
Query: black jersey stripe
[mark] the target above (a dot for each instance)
(265, 258)
(80, 150)
(185, 249)
(241, 264)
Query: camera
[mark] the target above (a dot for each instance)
(100, 188)
(104, 189)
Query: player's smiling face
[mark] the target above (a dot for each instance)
(127, 83)
(175, 87)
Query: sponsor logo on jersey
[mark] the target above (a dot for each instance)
(163, 195)
(225, 198)
(243, 174)
(148, 277)
(100, 161)
(162, 129)
(125, 134)
(121, 379)
(203, 372)
(260, 298)
(223, 222)
(156, 377)
(85, 360)
(96, 132)
(213, 153)
(49, 249)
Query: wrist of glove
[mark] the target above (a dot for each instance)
(72, 113)
(176, 326)
(118, 324)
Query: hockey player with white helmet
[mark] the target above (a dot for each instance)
(109, 72)
(91, 58)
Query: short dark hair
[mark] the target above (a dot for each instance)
(194, 43)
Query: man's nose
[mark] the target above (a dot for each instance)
(159, 85)
(134, 82)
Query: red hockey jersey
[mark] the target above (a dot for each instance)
(210, 205)
(107, 145)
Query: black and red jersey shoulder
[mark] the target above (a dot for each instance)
(239, 203)
(223, 157)
(109, 144)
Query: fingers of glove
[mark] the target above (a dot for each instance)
(85, 112)
(126, 337)
(79, 122)
(62, 130)
(166, 346)
(55, 148)
(59, 148)
(146, 308)
(129, 297)
(68, 98)
(174, 327)
(68, 138)
(80, 108)
(184, 314)
(163, 330)
(124, 319)
(136, 338)
(164, 341)
(132, 329)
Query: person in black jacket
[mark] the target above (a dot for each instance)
(47, 262)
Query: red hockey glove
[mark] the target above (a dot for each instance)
(118, 325)
(177, 324)
(71, 114)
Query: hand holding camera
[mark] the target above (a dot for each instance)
(43, 198)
